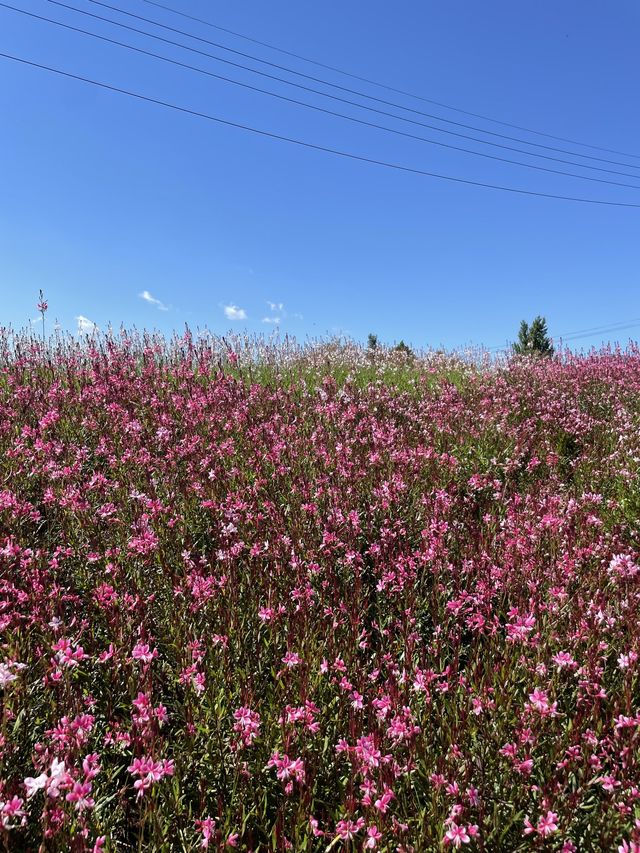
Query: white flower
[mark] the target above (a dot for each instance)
(6, 676)
(34, 785)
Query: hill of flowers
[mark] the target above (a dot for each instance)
(279, 597)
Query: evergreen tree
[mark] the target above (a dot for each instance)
(403, 348)
(533, 339)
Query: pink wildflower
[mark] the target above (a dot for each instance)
(456, 835)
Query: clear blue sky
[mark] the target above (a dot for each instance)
(103, 197)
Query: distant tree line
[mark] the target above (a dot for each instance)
(532, 340)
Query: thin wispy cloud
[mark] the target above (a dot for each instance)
(153, 301)
(37, 321)
(278, 313)
(339, 332)
(85, 325)
(232, 312)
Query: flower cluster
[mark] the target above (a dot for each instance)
(317, 598)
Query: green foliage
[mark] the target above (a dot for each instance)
(403, 348)
(372, 341)
(533, 339)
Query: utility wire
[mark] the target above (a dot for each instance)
(600, 328)
(312, 106)
(620, 326)
(304, 144)
(617, 328)
(350, 91)
(336, 97)
(383, 85)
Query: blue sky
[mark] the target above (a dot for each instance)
(104, 198)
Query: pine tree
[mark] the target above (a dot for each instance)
(533, 339)
(403, 348)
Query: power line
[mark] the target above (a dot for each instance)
(346, 89)
(336, 97)
(599, 328)
(619, 326)
(312, 106)
(304, 144)
(383, 85)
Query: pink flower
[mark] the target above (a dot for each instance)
(66, 654)
(623, 566)
(91, 766)
(564, 659)
(547, 824)
(103, 657)
(382, 804)
(142, 652)
(149, 772)
(457, 835)
(207, 827)
(247, 725)
(287, 768)
(609, 783)
(291, 659)
(539, 700)
(79, 795)
(519, 630)
(347, 829)
(629, 847)
(625, 661)
(367, 753)
(266, 614)
(314, 827)
(373, 836)
(10, 810)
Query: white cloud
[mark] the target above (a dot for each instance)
(152, 300)
(278, 313)
(232, 312)
(85, 326)
(339, 332)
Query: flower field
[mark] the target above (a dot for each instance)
(314, 598)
